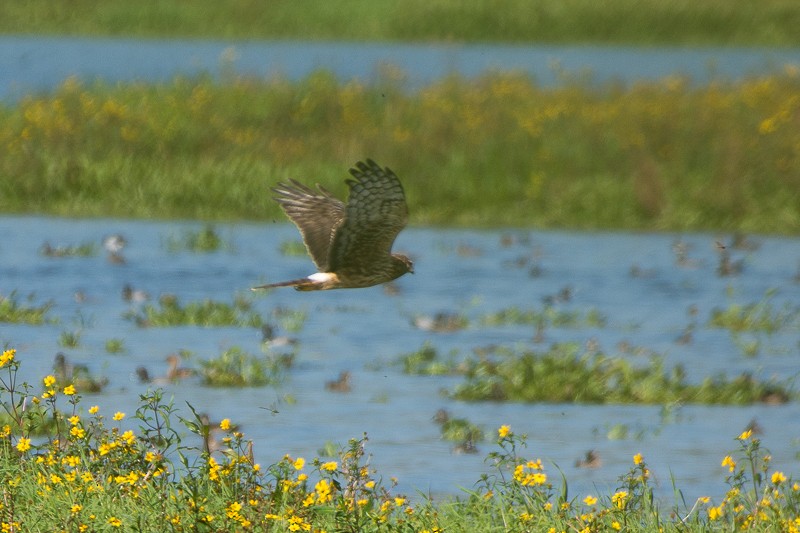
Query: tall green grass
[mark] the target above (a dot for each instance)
(494, 151)
(728, 22)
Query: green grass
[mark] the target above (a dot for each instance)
(14, 312)
(87, 249)
(206, 240)
(427, 362)
(115, 346)
(236, 368)
(495, 151)
(207, 313)
(564, 374)
(87, 473)
(756, 317)
(727, 22)
(547, 316)
(70, 339)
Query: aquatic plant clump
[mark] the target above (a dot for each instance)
(12, 311)
(548, 316)
(564, 374)
(206, 240)
(169, 312)
(757, 317)
(237, 368)
(87, 473)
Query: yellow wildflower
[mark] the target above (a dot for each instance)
(399, 501)
(503, 431)
(729, 462)
(119, 415)
(715, 513)
(7, 357)
(590, 500)
(128, 437)
(93, 409)
(69, 390)
(637, 459)
(24, 444)
(49, 381)
(323, 490)
(114, 521)
(299, 463)
(746, 434)
(225, 424)
(778, 478)
(77, 432)
(76, 508)
(330, 466)
(619, 498)
(74, 419)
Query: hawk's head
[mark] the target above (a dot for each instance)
(401, 265)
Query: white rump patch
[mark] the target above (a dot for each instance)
(322, 277)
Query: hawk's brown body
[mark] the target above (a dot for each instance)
(350, 244)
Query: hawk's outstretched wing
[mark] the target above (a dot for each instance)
(376, 212)
(316, 214)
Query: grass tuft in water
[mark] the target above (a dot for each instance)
(206, 240)
(461, 431)
(69, 339)
(564, 374)
(208, 313)
(12, 311)
(547, 316)
(115, 346)
(427, 362)
(81, 250)
(758, 317)
(236, 368)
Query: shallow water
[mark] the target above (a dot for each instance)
(363, 331)
(37, 63)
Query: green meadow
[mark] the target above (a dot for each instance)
(642, 22)
(496, 151)
(69, 466)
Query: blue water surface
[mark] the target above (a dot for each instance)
(648, 293)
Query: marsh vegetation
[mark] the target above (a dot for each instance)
(495, 151)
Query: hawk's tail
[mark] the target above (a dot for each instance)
(302, 284)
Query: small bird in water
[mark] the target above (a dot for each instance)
(350, 244)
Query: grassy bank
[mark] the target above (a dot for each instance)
(88, 472)
(725, 22)
(495, 151)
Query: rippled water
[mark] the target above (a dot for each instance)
(36, 63)
(632, 279)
